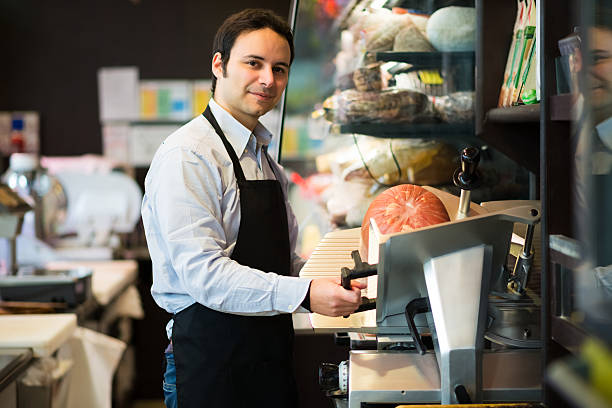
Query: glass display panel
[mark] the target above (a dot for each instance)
(382, 93)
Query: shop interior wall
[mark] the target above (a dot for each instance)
(51, 52)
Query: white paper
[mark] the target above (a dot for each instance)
(118, 93)
(115, 142)
(144, 141)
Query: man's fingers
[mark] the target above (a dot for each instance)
(358, 283)
(329, 298)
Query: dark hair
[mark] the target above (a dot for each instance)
(245, 21)
(602, 14)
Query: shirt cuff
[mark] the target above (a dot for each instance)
(290, 292)
(306, 302)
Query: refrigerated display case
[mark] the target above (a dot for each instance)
(383, 93)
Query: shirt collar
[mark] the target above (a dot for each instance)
(604, 130)
(236, 133)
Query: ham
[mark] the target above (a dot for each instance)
(402, 208)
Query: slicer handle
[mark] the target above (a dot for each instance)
(366, 304)
(347, 275)
(414, 307)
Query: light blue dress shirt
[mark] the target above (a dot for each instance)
(191, 215)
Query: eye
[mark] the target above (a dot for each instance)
(279, 70)
(600, 57)
(252, 63)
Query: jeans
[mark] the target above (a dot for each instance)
(170, 382)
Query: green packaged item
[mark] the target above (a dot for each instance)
(529, 97)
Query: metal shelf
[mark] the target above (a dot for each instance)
(428, 60)
(409, 131)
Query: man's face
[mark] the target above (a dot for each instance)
(255, 77)
(600, 78)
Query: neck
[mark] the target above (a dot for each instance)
(246, 121)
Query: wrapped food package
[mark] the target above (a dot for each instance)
(378, 27)
(411, 39)
(453, 29)
(393, 105)
(457, 107)
(420, 21)
(355, 214)
(413, 81)
(402, 208)
(393, 161)
(368, 78)
(343, 196)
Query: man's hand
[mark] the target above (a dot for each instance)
(328, 297)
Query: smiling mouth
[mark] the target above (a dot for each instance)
(262, 96)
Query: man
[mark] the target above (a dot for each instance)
(592, 149)
(222, 236)
(592, 141)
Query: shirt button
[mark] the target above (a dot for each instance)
(290, 306)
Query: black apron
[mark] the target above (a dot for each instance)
(231, 361)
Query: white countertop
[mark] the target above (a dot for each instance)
(108, 278)
(43, 333)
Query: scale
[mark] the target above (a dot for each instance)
(28, 284)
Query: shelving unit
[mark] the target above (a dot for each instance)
(539, 138)
(409, 130)
(420, 61)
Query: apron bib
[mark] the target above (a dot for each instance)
(232, 361)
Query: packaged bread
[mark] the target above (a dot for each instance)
(378, 27)
(390, 106)
(368, 78)
(457, 107)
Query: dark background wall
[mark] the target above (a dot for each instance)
(51, 51)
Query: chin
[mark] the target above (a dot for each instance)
(260, 111)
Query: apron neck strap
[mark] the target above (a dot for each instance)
(230, 150)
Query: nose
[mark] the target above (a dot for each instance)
(266, 77)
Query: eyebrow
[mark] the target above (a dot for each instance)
(257, 57)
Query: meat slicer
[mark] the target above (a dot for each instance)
(74, 215)
(438, 331)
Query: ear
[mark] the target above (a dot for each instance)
(217, 65)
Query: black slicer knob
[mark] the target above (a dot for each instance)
(467, 177)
